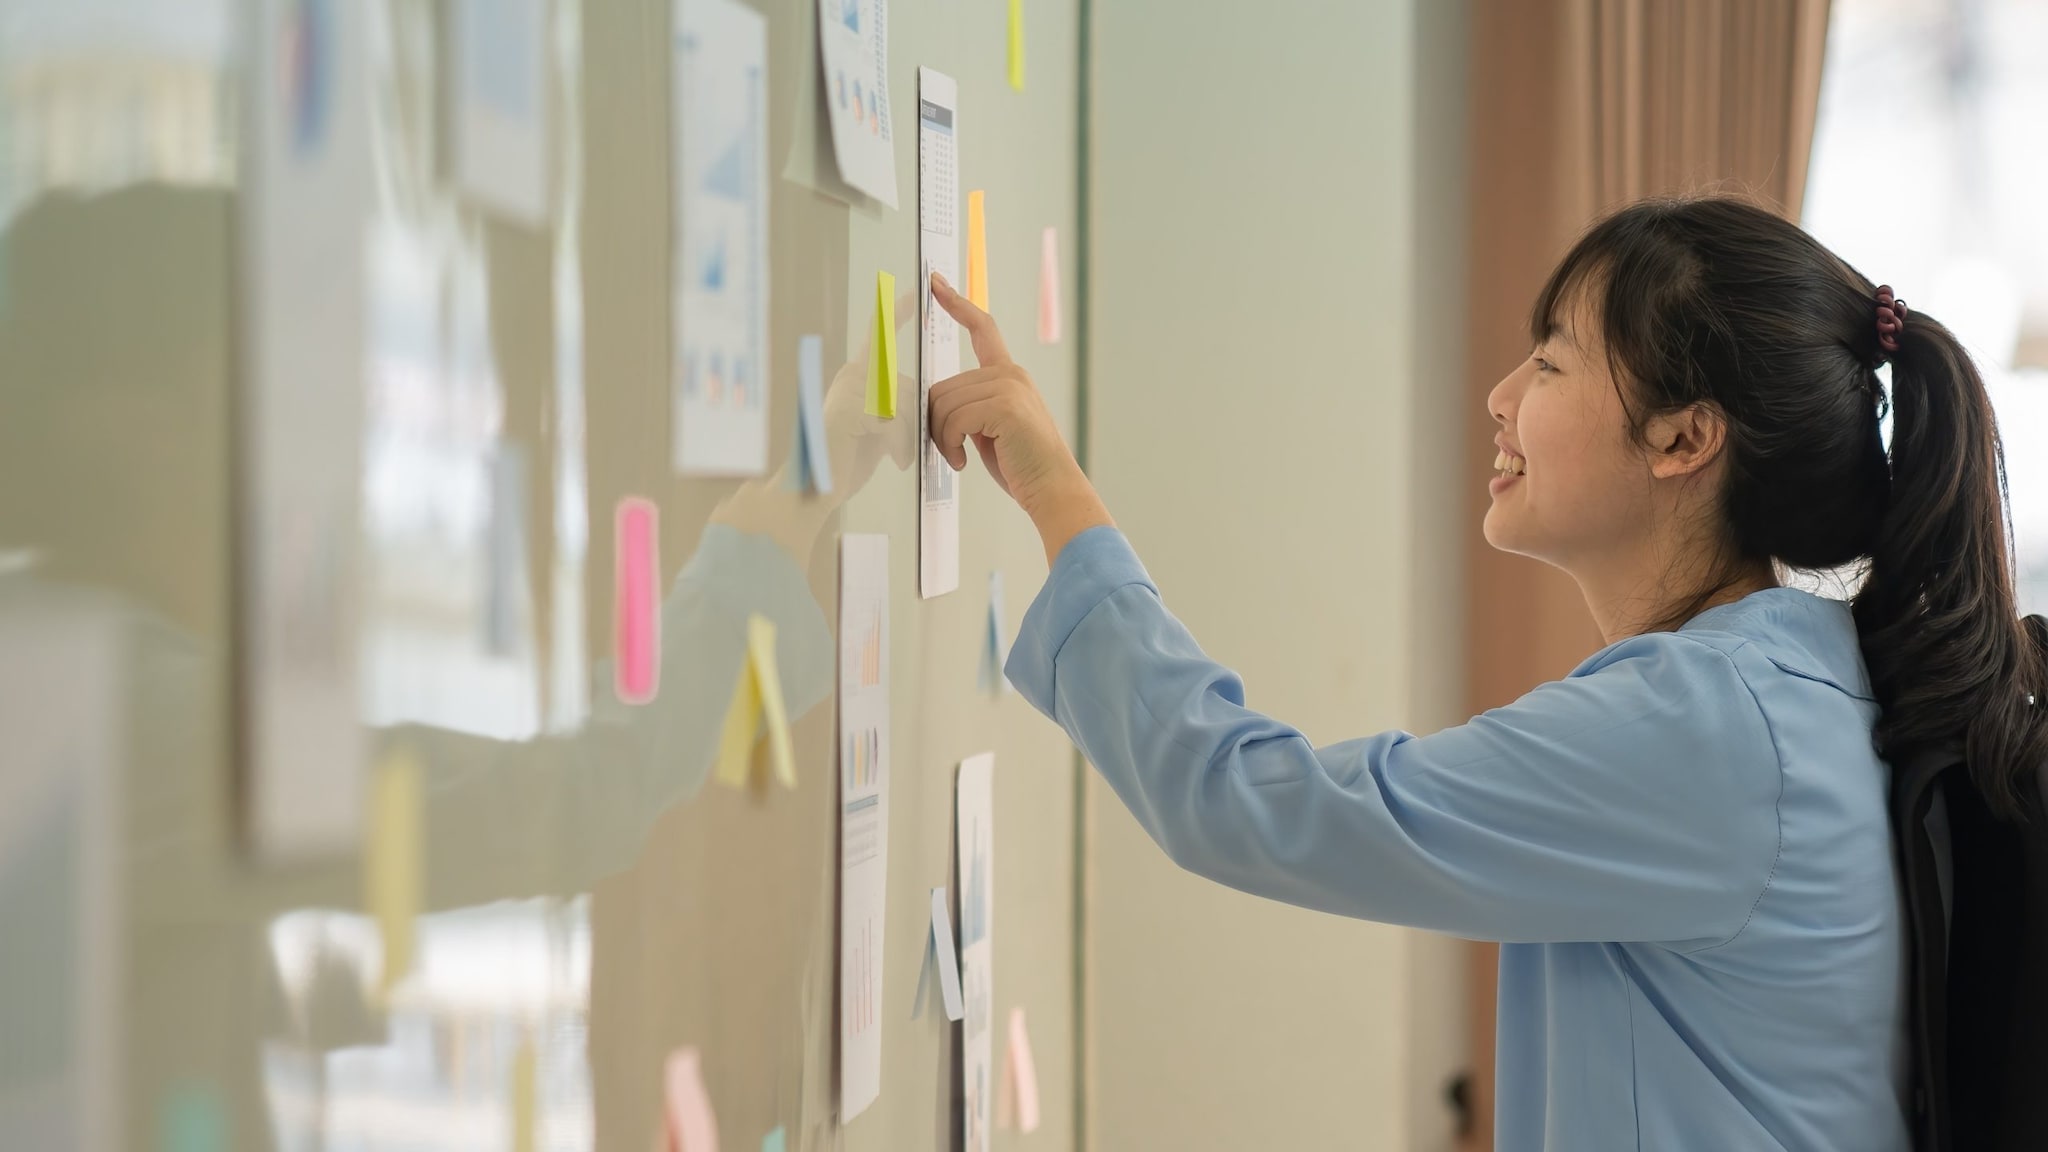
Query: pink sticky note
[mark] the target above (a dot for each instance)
(1049, 288)
(1024, 1071)
(636, 601)
(691, 1125)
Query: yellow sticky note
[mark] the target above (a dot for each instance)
(882, 364)
(1017, 44)
(392, 860)
(768, 688)
(742, 724)
(525, 1072)
(977, 250)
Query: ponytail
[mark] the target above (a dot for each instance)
(1946, 649)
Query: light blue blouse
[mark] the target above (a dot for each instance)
(1683, 846)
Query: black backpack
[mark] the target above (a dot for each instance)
(1976, 900)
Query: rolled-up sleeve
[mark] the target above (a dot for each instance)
(1635, 800)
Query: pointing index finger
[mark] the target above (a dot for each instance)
(989, 348)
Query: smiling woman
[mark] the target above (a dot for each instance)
(1684, 843)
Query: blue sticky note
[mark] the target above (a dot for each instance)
(992, 655)
(946, 956)
(813, 458)
(190, 1119)
(775, 1142)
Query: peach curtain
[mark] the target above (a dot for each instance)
(1577, 107)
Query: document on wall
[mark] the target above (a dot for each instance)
(863, 813)
(302, 440)
(975, 833)
(720, 270)
(500, 116)
(938, 232)
(853, 50)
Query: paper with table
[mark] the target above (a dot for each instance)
(938, 212)
(863, 743)
(853, 51)
(720, 270)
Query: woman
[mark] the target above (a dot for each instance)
(1683, 844)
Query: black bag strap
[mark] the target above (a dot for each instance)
(1915, 788)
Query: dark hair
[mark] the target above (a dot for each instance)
(1715, 300)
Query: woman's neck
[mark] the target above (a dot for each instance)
(1643, 599)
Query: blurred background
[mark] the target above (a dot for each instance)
(359, 741)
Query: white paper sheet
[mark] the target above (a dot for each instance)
(306, 184)
(499, 89)
(853, 50)
(720, 271)
(68, 709)
(975, 834)
(938, 228)
(863, 813)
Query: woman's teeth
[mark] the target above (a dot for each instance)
(1508, 465)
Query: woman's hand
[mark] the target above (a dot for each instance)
(1000, 409)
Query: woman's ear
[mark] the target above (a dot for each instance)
(1686, 441)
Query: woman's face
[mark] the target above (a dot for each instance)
(1578, 489)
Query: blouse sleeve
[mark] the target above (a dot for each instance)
(1635, 800)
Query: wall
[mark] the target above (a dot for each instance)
(586, 895)
(1275, 420)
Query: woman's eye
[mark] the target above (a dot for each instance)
(1543, 365)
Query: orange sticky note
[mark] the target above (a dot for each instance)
(392, 861)
(1017, 44)
(882, 359)
(977, 250)
(692, 1126)
(636, 600)
(1049, 287)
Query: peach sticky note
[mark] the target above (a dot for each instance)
(882, 357)
(1049, 287)
(977, 249)
(392, 860)
(525, 1074)
(692, 1127)
(636, 600)
(1023, 1073)
(756, 697)
(1017, 44)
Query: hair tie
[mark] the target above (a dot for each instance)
(1891, 320)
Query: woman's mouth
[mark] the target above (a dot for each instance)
(1509, 468)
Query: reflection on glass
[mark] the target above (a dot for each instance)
(433, 1067)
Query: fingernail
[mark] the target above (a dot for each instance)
(940, 281)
